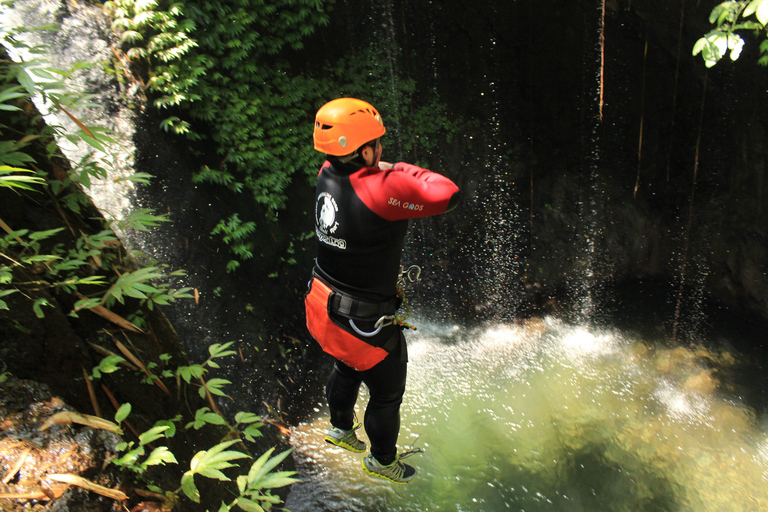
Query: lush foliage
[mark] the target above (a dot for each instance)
(729, 18)
(94, 270)
(55, 260)
(220, 63)
(255, 486)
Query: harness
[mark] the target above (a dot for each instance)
(354, 308)
(325, 303)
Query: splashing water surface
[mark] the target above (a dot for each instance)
(549, 416)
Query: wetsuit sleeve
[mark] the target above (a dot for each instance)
(404, 192)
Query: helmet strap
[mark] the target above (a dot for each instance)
(348, 158)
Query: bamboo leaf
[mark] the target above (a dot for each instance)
(67, 417)
(87, 484)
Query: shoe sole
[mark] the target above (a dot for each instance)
(346, 446)
(385, 477)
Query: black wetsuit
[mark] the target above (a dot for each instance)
(361, 219)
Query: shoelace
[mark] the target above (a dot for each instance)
(411, 451)
(397, 469)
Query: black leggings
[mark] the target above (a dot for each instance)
(386, 383)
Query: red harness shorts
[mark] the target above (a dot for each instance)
(332, 337)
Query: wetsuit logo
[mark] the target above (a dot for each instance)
(325, 220)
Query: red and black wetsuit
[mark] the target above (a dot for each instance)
(361, 219)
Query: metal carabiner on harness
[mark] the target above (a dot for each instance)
(382, 322)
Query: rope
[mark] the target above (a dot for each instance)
(409, 276)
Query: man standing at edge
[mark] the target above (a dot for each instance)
(361, 218)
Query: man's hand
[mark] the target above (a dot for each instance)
(385, 166)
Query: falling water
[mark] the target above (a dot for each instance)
(497, 264)
(552, 416)
(585, 279)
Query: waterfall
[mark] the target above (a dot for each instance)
(596, 409)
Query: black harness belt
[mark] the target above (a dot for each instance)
(352, 307)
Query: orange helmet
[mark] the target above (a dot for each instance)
(344, 124)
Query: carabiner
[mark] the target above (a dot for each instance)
(379, 325)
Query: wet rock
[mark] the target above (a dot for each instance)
(28, 455)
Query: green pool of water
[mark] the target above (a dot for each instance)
(549, 416)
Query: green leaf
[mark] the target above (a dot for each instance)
(11, 93)
(171, 430)
(257, 468)
(214, 473)
(735, 44)
(246, 417)
(9, 177)
(143, 219)
(86, 304)
(122, 413)
(253, 431)
(712, 47)
(275, 480)
(210, 462)
(220, 350)
(160, 455)
(214, 386)
(248, 505)
(263, 466)
(132, 284)
(37, 307)
(5, 293)
(153, 434)
(142, 178)
(131, 458)
(189, 488)
(759, 8)
(188, 373)
(42, 235)
(110, 363)
(203, 416)
(762, 12)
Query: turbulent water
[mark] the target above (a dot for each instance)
(549, 416)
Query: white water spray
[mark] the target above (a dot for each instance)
(549, 416)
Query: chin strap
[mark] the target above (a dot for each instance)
(348, 158)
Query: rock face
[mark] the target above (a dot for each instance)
(79, 33)
(592, 153)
